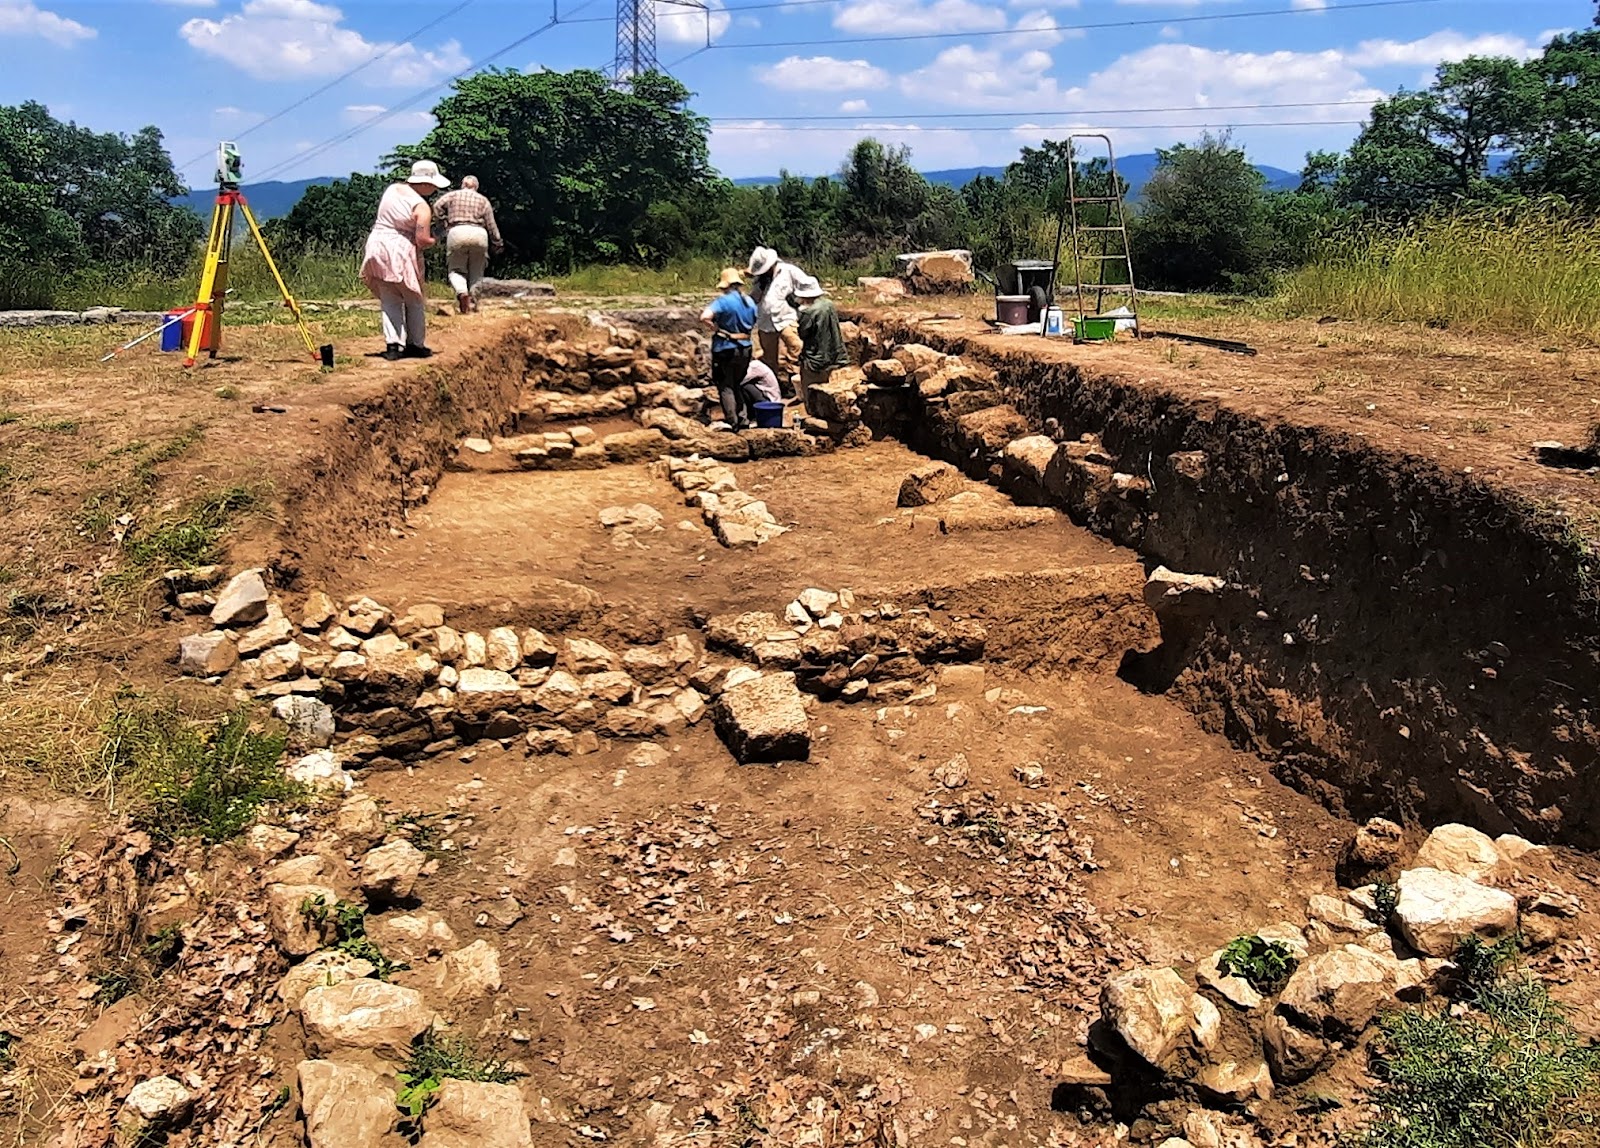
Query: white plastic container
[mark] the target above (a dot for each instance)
(1052, 321)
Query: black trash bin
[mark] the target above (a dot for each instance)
(1031, 277)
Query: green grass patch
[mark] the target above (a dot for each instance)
(8, 1049)
(58, 426)
(1529, 271)
(190, 779)
(437, 1059)
(9, 417)
(1505, 1069)
(195, 538)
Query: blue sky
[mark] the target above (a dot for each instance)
(956, 91)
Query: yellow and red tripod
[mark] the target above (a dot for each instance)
(207, 329)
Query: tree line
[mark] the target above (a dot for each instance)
(582, 172)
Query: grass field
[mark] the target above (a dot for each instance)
(1531, 271)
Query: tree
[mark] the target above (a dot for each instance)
(333, 217)
(574, 165)
(1203, 220)
(1424, 150)
(1559, 151)
(884, 197)
(76, 198)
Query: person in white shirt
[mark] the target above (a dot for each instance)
(777, 322)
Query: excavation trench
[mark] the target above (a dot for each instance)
(1404, 639)
(1397, 638)
(1020, 777)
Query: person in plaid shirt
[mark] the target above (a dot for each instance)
(470, 235)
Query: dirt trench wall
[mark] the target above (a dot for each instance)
(1406, 639)
(396, 443)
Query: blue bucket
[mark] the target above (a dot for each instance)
(172, 331)
(768, 414)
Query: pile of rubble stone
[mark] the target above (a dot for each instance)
(392, 688)
(1228, 1042)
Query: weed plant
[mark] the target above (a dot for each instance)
(1503, 1069)
(437, 1059)
(1526, 270)
(1267, 965)
(350, 933)
(181, 779)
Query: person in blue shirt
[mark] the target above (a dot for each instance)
(731, 317)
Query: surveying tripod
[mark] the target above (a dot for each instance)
(207, 329)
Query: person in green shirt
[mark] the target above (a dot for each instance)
(822, 346)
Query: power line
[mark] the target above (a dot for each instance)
(343, 76)
(1036, 113)
(1083, 27)
(887, 126)
(390, 113)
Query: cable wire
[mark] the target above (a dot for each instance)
(1084, 27)
(888, 126)
(343, 76)
(391, 112)
(1035, 113)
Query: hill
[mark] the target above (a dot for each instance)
(1136, 169)
(267, 200)
(274, 198)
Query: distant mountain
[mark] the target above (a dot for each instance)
(1136, 169)
(267, 200)
(274, 198)
(961, 176)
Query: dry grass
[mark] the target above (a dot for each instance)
(1519, 273)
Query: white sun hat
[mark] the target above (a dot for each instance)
(426, 171)
(762, 260)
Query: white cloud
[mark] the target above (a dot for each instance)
(823, 73)
(1308, 5)
(1046, 34)
(1440, 47)
(24, 18)
(189, 3)
(1171, 32)
(970, 77)
(400, 121)
(300, 39)
(888, 17)
(758, 147)
(853, 107)
(676, 24)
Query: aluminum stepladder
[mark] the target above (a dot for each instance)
(1112, 232)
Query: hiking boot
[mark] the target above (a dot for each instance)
(464, 303)
(393, 351)
(412, 351)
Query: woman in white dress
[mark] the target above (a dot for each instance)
(392, 265)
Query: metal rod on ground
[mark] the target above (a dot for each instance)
(174, 318)
(1231, 345)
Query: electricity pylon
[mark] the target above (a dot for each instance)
(636, 36)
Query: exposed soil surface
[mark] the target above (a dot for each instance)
(811, 950)
(715, 929)
(1464, 401)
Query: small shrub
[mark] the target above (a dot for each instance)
(1480, 964)
(114, 981)
(437, 1059)
(1509, 1072)
(350, 933)
(1267, 965)
(1386, 898)
(187, 780)
(162, 947)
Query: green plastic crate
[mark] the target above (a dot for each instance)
(1092, 330)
